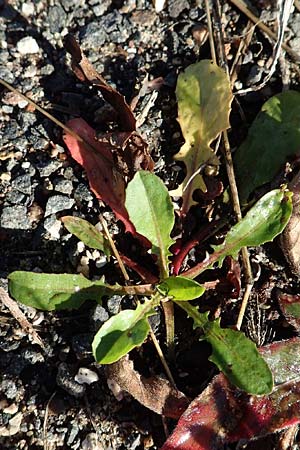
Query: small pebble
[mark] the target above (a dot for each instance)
(91, 443)
(53, 226)
(27, 9)
(27, 46)
(86, 376)
(11, 409)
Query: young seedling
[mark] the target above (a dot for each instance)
(144, 205)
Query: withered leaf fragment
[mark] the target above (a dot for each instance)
(85, 71)
(290, 238)
(290, 308)
(155, 393)
(130, 151)
(106, 182)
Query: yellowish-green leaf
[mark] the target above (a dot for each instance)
(204, 98)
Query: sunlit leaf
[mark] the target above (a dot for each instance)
(120, 334)
(204, 98)
(151, 211)
(272, 138)
(57, 291)
(181, 288)
(87, 233)
(263, 222)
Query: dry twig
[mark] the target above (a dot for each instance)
(20, 317)
(245, 10)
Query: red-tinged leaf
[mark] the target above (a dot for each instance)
(85, 71)
(105, 181)
(145, 274)
(223, 414)
(290, 308)
(180, 250)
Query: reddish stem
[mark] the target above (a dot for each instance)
(199, 236)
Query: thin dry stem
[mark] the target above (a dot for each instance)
(20, 317)
(244, 9)
(45, 434)
(114, 248)
(210, 33)
(232, 180)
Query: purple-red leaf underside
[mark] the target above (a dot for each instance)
(105, 181)
(222, 414)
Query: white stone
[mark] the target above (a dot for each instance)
(91, 443)
(27, 9)
(86, 376)
(27, 46)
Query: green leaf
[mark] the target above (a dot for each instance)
(234, 354)
(181, 288)
(87, 233)
(121, 333)
(52, 291)
(273, 137)
(204, 98)
(151, 211)
(265, 220)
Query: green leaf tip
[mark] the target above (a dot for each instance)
(238, 358)
(151, 211)
(180, 288)
(87, 233)
(263, 222)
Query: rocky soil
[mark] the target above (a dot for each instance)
(59, 398)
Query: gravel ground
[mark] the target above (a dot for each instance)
(126, 40)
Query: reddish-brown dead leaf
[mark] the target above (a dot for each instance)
(224, 414)
(106, 182)
(290, 237)
(155, 393)
(85, 71)
(290, 308)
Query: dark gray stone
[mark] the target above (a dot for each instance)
(15, 218)
(63, 186)
(9, 389)
(14, 198)
(114, 303)
(56, 18)
(176, 7)
(99, 316)
(46, 168)
(23, 184)
(82, 193)
(93, 35)
(58, 203)
(65, 380)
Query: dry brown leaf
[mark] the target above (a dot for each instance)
(290, 238)
(85, 71)
(155, 393)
